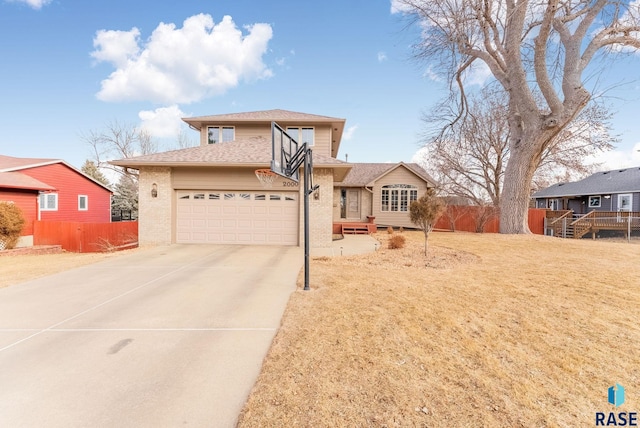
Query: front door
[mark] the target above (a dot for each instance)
(353, 204)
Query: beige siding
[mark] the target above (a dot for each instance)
(320, 221)
(155, 214)
(398, 176)
(322, 135)
(224, 179)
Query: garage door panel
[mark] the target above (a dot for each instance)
(214, 223)
(237, 217)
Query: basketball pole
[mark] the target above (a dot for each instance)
(306, 219)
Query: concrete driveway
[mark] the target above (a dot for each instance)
(168, 336)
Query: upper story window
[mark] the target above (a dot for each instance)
(398, 197)
(220, 134)
(302, 134)
(83, 203)
(48, 202)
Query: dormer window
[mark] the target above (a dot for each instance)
(302, 134)
(220, 134)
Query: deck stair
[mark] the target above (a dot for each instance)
(566, 224)
(355, 229)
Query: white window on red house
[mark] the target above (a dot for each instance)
(83, 202)
(48, 202)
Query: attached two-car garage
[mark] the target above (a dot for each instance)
(237, 217)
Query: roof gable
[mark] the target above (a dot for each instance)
(612, 181)
(366, 174)
(9, 163)
(12, 164)
(17, 180)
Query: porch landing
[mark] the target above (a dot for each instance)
(354, 228)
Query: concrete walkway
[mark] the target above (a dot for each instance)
(348, 246)
(164, 337)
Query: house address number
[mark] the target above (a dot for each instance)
(289, 184)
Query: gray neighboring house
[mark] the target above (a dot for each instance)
(614, 191)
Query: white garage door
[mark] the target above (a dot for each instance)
(237, 217)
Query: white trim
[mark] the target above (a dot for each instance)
(86, 203)
(52, 162)
(591, 203)
(620, 196)
(44, 197)
(299, 136)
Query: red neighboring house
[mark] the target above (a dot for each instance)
(51, 189)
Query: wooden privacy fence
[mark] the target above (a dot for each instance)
(468, 218)
(86, 237)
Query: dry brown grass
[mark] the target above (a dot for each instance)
(17, 269)
(489, 331)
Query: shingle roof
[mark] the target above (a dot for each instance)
(17, 180)
(9, 163)
(364, 174)
(614, 181)
(254, 151)
(263, 116)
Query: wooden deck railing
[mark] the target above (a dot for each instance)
(608, 220)
(558, 220)
(568, 225)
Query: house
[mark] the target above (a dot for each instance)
(383, 191)
(210, 193)
(611, 191)
(51, 189)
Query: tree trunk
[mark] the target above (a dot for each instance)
(426, 240)
(514, 203)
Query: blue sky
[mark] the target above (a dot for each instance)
(64, 72)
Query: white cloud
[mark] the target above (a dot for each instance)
(382, 56)
(162, 122)
(181, 65)
(617, 159)
(431, 75)
(35, 4)
(117, 47)
(477, 74)
(348, 133)
(399, 7)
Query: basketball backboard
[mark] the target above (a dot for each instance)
(285, 152)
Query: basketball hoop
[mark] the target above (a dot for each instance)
(266, 177)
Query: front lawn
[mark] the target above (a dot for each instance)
(491, 330)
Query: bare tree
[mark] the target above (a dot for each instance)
(118, 141)
(470, 158)
(530, 47)
(482, 214)
(184, 140)
(456, 208)
(425, 212)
